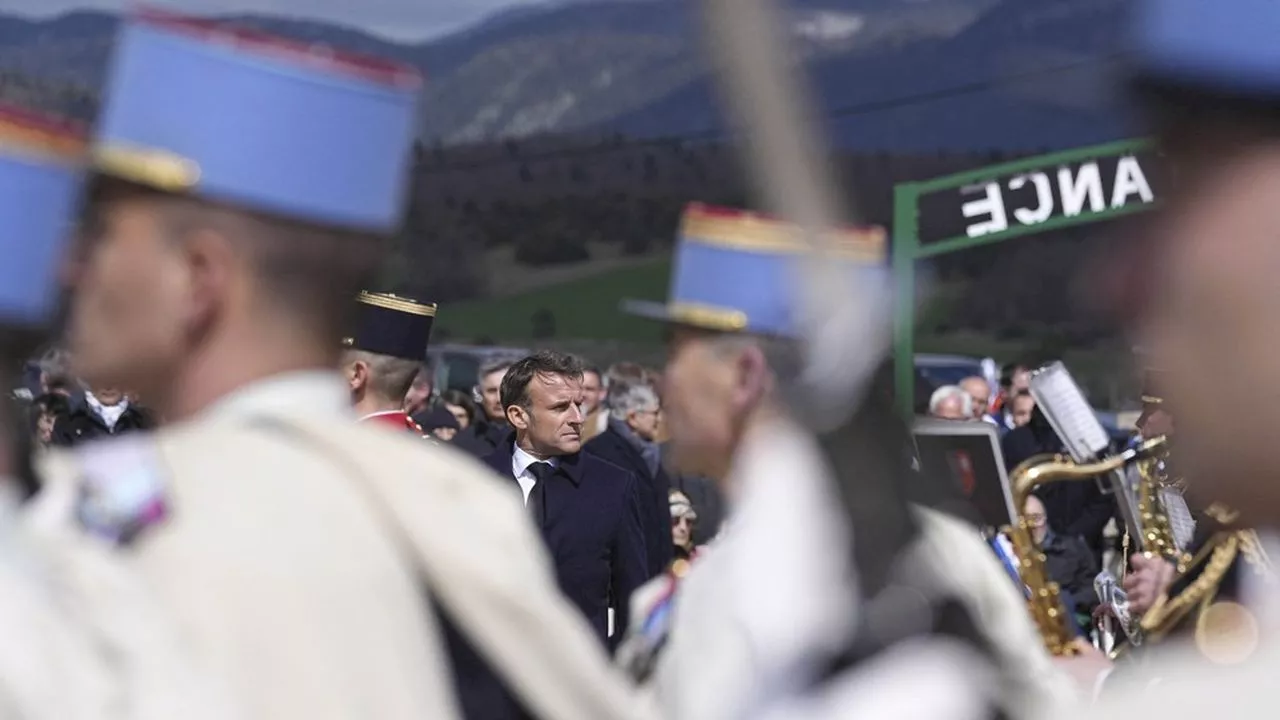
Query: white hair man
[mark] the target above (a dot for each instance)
(630, 441)
(490, 430)
(951, 402)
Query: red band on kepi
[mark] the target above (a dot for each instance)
(214, 30)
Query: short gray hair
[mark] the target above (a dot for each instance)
(55, 361)
(389, 377)
(497, 364)
(946, 392)
(625, 398)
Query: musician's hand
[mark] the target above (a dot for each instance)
(1148, 579)
(1086, 667)
(1102, 612)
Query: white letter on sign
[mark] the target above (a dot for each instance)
(1130, 180)
(1044, 199)
(992, 205)
(1086, 184)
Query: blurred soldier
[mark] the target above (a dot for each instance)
(730, 395)
(384, 355)
(1208, 305)
(50, 670)
(317, 567)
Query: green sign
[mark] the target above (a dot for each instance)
(1006, 201)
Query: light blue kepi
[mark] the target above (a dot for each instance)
(237, 117)
(737, 271)
(41, 172)
(1226, 48)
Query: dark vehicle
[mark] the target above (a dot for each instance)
(455, 366)
(942, 370)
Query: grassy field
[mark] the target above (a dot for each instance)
(583, 309)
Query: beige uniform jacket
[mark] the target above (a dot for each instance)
(1233, 677)
(771, 590)
(297, 548)
(1190, 687)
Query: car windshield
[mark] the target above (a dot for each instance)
(457, 371)
(949, 373)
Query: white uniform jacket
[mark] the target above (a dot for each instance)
(771, 591)
(296, 547)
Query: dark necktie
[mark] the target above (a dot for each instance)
(537, 496)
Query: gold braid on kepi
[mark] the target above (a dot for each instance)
(391, 325)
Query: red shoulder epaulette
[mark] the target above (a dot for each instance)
(413, 425)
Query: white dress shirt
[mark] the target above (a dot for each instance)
(520, 462)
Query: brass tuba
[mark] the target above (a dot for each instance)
(1051, 617)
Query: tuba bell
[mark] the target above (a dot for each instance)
(1051, 617)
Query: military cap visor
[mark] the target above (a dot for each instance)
(391, 325)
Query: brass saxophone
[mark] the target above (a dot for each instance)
(1053, 619)
(1157, 532)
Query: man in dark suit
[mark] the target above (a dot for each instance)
(487, 434)
(629, 441)
(706, 498)
(587, 509)
(100, 413)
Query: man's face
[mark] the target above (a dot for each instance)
(490, 398)
(552, 423)
(131, 297)
(108, 396)
(1021, 380)
(1021, 409)
(1034, 512)
(698, 405)
(980, 391)
(419, 393)
(644, 422)
(1215, 315)
(592, 392)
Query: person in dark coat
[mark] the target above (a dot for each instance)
(1074, 509)
(628, 441)
(491, 429)
(1068, 561)
(97, 414)
(707, 503)
(587, 509)
(439, 423)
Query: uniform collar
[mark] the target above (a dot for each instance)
(313, 392)
(384, 413)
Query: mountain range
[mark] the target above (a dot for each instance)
(893, 75)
